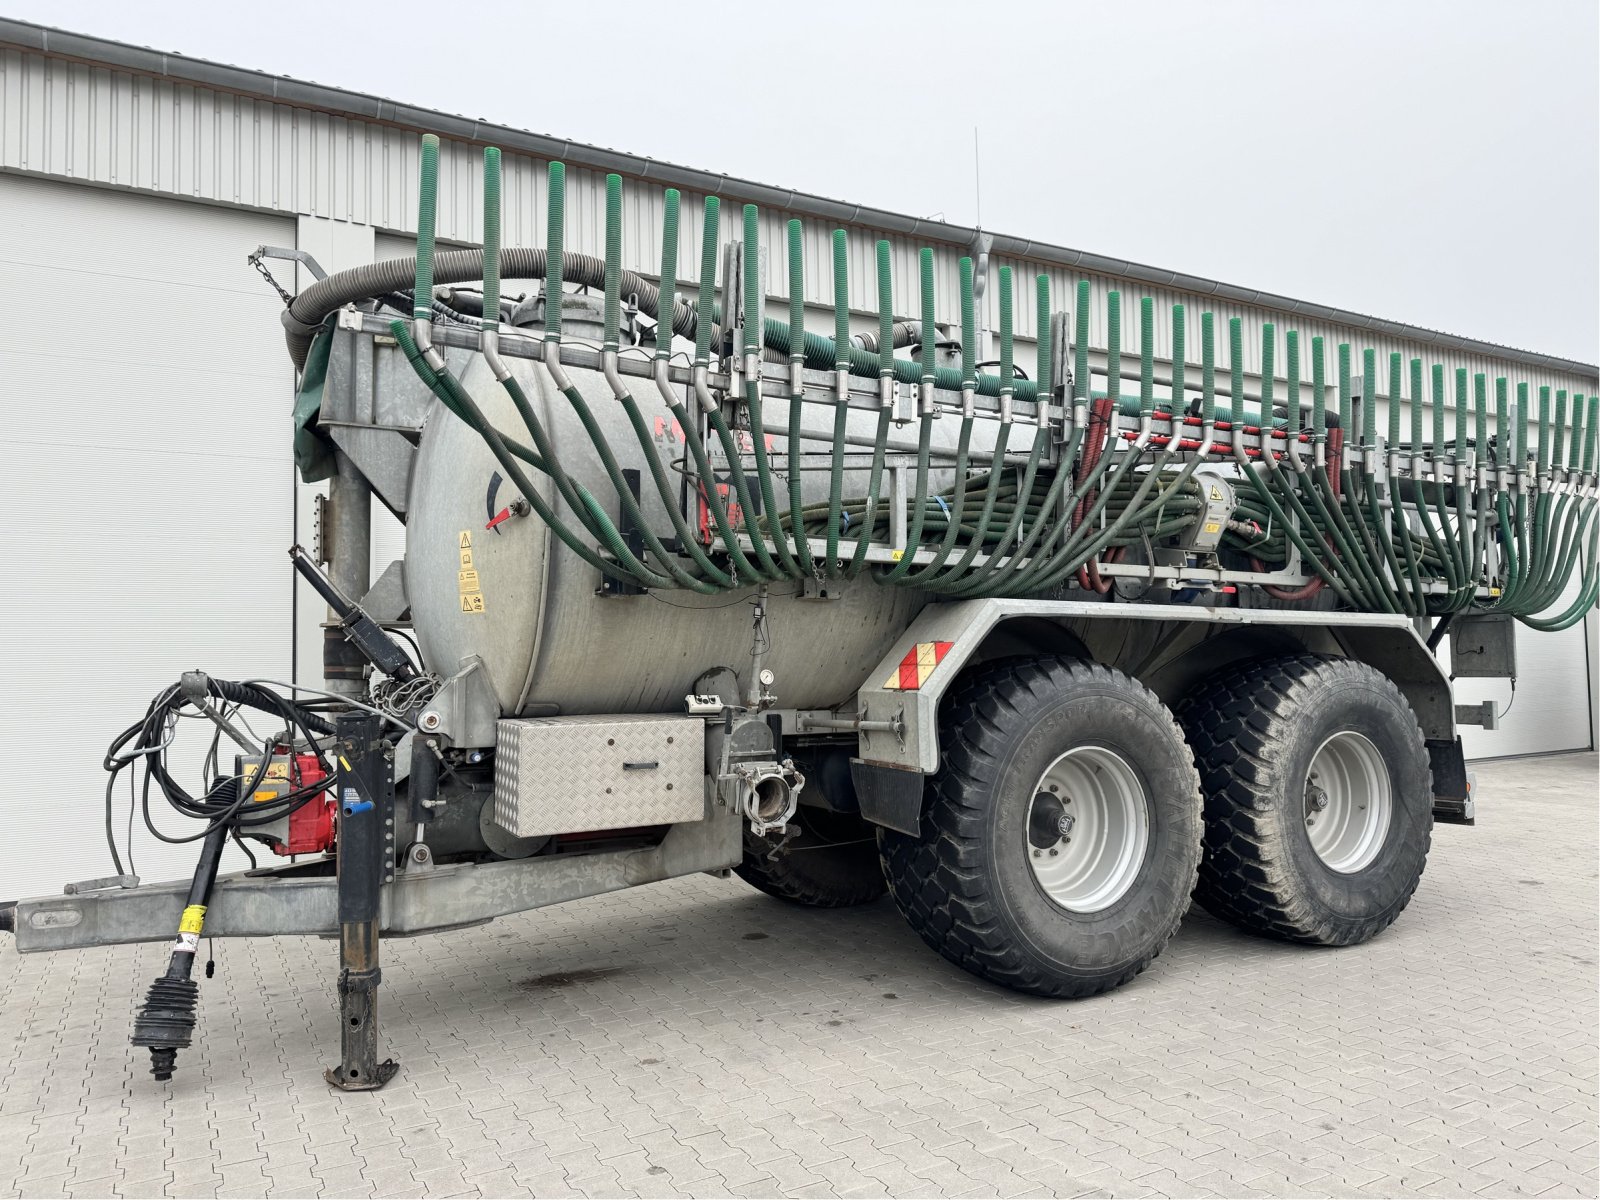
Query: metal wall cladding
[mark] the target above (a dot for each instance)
(72, 120)
(574, 774)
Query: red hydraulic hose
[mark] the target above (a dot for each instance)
(1094, 448)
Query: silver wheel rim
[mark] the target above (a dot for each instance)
(1348, 802)
(1088, 829)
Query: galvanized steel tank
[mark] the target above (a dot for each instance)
(534, 618)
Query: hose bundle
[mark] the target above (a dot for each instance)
(1418, 526)
(223, 796)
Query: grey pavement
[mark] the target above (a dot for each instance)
(695, 1037)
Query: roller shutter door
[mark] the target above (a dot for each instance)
(148, 496)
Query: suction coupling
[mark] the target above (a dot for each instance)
(769, 795)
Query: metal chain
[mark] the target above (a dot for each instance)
(255, 261)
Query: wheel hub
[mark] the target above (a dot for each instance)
(1348, 802)
(1088, 829)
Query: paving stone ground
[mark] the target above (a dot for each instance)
(695, 1037)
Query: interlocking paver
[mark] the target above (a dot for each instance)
(1452, 1056)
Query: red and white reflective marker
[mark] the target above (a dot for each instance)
(916, 666)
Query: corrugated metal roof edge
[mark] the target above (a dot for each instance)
(62, 43)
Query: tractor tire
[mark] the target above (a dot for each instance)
(831, 863)
(1034, 752)
(1318, 798)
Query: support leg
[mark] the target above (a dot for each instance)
(366, 857)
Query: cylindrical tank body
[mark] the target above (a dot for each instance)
(522, 602)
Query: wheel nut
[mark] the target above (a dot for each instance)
(1054, 852)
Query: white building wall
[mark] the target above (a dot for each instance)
(75, 121)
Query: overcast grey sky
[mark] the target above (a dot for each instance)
(1432, 162)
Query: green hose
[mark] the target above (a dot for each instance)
(422, 295)
(613, 284)
(555, 251)
(1113, 352)
(752, 390)
(1208, 370)
(1319, 393)
(969, 329)
(491, 238)
(797, 320)
(841, 408)
(1037, 518)
(708, 280)
(907, 559)
(1236, 378)
(1396, 365)
(1369, 398)
(1147, 357)
(885, 412)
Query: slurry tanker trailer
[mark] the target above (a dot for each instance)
(689, 588)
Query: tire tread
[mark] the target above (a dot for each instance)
(934, 879)
(1236, 724)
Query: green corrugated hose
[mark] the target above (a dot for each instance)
(1380, 543)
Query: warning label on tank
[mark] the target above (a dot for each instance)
(467, 583)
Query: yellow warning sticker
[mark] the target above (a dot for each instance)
(897, 555)
(263, 795)
(468, 585)
(1216, 492)
(1213, 527)
(193, 918)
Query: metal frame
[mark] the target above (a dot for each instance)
(421, 899)
(1387, 640)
